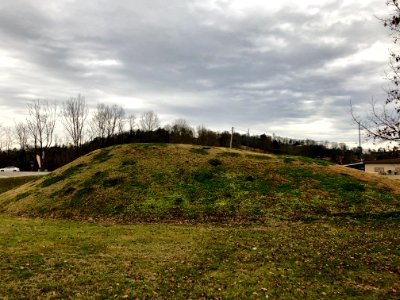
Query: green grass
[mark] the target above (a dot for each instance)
(334, 258)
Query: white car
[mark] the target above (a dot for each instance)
(9, 169)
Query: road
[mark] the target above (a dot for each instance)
(20, 174)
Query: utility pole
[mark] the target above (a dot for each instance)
(230, 144)
(359, 141)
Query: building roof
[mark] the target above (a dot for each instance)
(384, 161)
(358, 166)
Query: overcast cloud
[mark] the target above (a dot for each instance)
(287, 68)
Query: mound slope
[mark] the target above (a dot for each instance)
(183, 183)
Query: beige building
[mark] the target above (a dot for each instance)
(383, 167)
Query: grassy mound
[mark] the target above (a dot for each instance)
(183, 183)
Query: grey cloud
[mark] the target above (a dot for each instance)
(250, 69)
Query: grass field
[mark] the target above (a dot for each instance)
(186, 222)
(336, 258)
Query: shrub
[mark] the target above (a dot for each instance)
(288, 160)
(215, 162)
(150, 145)
(203, 175)
(111, 182)
(128, 162)
(202, 151)
(229, 154)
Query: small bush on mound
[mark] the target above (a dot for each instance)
(288, 160)
(128, 162)
(259, 157)
(215, 162)
(112, 182)
(102, 156)
(202, 151)
(150, 145)
(229, 154)
(22, 196)
(203, 175)
(250, 178)
(68, 190)
(136, 185)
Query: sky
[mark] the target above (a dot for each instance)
(283, 67)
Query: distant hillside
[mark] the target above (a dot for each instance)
(184, 183)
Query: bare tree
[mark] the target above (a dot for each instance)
(74, 113)
(383, 121)
(121, 120)
(107, 121)
(98, 122)
(8, 138)
(115, 120)
(41, 124)
(21, 133)
(149, 121)
(131, 121)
